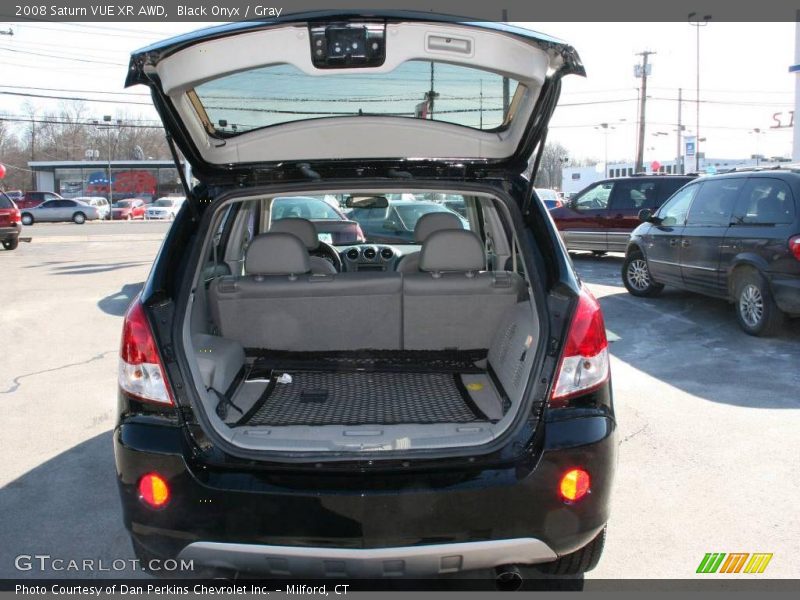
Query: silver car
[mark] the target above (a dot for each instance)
(99, 202)
(60, 209)
(164, 208)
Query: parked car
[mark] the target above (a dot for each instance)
(15, 195)
(100, 203)
(164, 208)
(734, 236)
(372, 422)
(31, 199)
(127, 210)
(600, 218)
(331, 224)
(551, 198)
(396, 222)
(60, 210)
(10, 226)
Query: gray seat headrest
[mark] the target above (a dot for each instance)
(452, 250)
(437, 221)
(276, 254)
(302, 228)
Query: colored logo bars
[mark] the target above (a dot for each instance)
(736, 562)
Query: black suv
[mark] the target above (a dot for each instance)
(733, 236)
(442, 405)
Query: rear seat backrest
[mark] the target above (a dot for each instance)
(281, 306)
(454, 303)
(427, 224)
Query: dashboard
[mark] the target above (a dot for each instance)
(372, 257)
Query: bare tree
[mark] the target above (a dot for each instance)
(553, 160)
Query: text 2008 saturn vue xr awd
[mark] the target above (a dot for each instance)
(291, 405)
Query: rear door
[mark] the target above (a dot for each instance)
(628, 197)
(583, 224)
(391, 87)
(662, 241)
(704, 234)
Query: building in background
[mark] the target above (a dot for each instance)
(145, 179)
(574, 179)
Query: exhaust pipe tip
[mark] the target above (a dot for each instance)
(508, 578)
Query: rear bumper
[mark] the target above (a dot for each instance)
(10, 233)
(787, 294)
(369, 524)
(407, 561)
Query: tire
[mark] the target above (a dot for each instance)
(79, 218)
(756, 310)
(636, 277)
(580, 561)
(27, 219)
(11, 244)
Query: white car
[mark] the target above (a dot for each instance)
(99, 202)
(164, 208)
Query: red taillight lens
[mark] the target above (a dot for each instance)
(574, 485)
(584, 364)
(794, 246)
(141, 372)
(153, 490)
(16, 216)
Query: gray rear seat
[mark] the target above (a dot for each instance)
(307, 232)
(454, 303)
(427, 224)
(280, 305)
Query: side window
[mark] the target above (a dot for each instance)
(595, 198)
(666, 188)
(675, 209)
(765, 201)
(67, 203)
(714, 202)
(633, 195)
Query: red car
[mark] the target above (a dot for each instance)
(10, 226)
(127, 210)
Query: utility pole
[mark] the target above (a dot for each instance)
(678, 161)
(643, 101)
(695, 21)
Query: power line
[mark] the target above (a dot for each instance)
(50, 97)
(84, 60)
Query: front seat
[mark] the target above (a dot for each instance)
(426, 225)
(305, 230)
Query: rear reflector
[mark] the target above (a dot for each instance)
(141, 372)
(584, 364)
(574, 485)
(153, 490)
(794, 246)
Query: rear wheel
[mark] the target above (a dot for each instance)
(27, 219)
(580, 561)
(636, 276)
(11, 244)
(79, 218)
(756, 310)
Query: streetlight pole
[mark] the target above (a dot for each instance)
(695, 21)
(107, 124)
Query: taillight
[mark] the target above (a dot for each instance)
(16, 216)
(584, 364)
(153, 490)
(141, 372)
(794, 246)
(574, 485)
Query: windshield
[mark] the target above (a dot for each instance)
(279, 94)
(5, 201)
(395, 224)
(304, 208)
(546, 194)
(163, 202)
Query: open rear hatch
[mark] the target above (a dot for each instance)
(342, 86)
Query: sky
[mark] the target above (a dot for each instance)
(744, 81)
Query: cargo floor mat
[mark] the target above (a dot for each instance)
(363, 398)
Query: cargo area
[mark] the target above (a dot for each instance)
(294, 356)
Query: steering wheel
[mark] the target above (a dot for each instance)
(329, 253)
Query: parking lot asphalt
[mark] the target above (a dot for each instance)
(708, 416)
